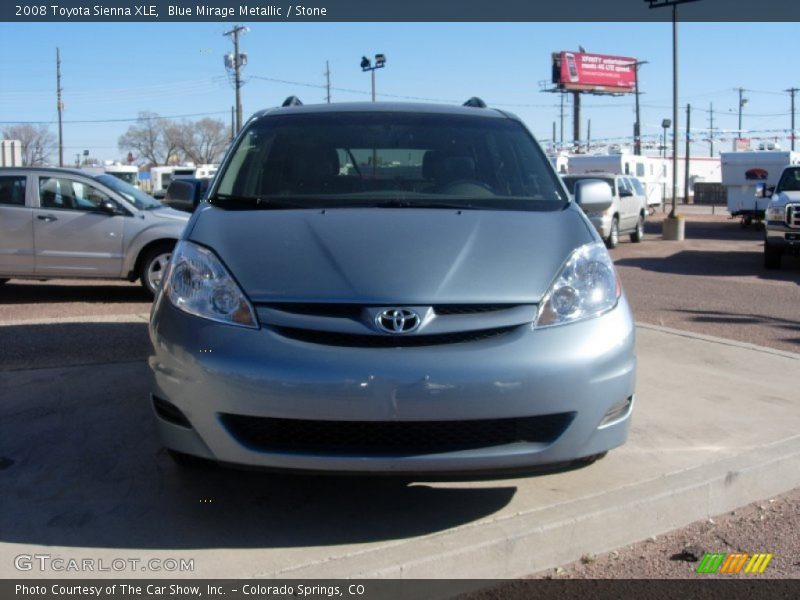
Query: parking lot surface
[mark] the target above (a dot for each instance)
(715, 427)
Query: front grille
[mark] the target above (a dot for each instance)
(469, 309)
(335, 338)
(793, 215)
(353, 311)
(391, 438)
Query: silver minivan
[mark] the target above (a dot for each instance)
(391, 288)
(58, 223)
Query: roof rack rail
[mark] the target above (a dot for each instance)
(292, 101)
(475, 102)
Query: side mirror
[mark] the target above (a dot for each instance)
(761, 190)
(108, 207)
(593, 195)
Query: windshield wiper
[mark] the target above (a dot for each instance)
(253, 202)
(421, 204)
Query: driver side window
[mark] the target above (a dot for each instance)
(69, 194)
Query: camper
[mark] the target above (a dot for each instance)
(654, 172)
(648, 169)
(127, 173)
(742, 172)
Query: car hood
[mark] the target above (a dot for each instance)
(165, 212)
(393, 256)
(785, 197)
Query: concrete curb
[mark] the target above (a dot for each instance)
(529, 542)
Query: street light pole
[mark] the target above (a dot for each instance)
(366, 65)
(674, 5)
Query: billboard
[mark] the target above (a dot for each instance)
(596, 73)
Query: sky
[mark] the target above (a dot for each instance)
(113, 71)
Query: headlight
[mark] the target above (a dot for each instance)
(199, 284)
(776, 213)
(587, 286)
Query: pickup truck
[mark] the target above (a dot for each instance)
(782, 228)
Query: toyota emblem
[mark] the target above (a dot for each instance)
(397, 320)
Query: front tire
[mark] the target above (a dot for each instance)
(638, 234)
(772, 256)
(613, 237)
(153, 266)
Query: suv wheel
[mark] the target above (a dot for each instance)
(153, 266)
(638, 233)
(772, 256)
(613, 237)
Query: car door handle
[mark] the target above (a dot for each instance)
(47, 218)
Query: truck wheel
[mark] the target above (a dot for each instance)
(153, 266)
(638, 233)
(772, 256)
(613, 237)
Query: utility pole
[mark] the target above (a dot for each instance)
(327, 83)
(688, 152)
(561, 116)
(711, 126)
(554, 136)
(792, 91)
(742, 102)
(637, 127)
(233, 123)
(576, 119)
(588, 135)
(237, 70)
(60, 109)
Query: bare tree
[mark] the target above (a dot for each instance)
(149, 138)
(204, 141)
(36, 142)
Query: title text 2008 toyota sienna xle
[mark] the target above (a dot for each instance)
(391, 288)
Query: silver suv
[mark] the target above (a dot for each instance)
(782, 228)
(65, 223)
(627, 212)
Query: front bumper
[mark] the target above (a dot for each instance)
(778, 235)
(207, 370)
(602, 223)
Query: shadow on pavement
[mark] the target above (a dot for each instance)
(71, 344)
(710, 316)
(80, 465)
(716, 264)
(714, 229)
(20, 291)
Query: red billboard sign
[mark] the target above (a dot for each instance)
(600, 73)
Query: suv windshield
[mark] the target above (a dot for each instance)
(388, 159)
(790, 181)
(133, 195)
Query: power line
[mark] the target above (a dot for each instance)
(130, 119)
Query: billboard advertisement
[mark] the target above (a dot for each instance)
(598, 73)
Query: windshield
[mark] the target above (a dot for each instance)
(569, 182)
(388, 159)
(133, 195)
(790, 181)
